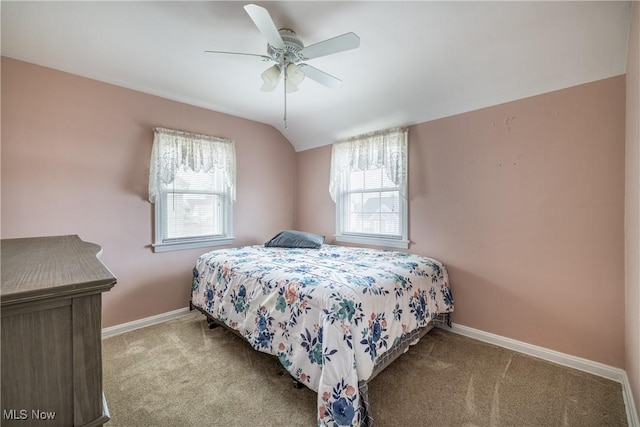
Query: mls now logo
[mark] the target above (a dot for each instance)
(23, 414)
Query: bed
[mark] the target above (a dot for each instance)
(334, 316)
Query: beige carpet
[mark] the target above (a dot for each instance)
(181, 373)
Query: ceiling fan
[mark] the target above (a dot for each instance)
(289, 53)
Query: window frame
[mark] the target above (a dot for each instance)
(176, 151)
(342, 206)
(164, 244)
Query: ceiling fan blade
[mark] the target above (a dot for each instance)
(264, 57)
(337, 44)
(320, 76)
(260, 16)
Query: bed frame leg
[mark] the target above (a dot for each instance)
(211, 323)
(190, 306)
(296, 383)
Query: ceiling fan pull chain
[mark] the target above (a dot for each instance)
(285, 97)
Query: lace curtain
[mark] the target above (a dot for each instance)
(174, 149)
(383, 149)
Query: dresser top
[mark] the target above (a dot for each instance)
(45, 267)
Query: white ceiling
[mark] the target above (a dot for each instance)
(417, 61)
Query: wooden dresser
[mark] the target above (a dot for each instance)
(51, 308)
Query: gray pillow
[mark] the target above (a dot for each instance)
(295, 239)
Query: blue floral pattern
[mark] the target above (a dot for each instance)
(335, 307)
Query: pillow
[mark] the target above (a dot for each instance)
(295, 239)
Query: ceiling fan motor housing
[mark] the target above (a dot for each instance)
(292, 47)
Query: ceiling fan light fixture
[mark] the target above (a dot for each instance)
(287, 50)
(294, 74)
(271, 76)
(290, 86)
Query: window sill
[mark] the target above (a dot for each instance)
(179, 246)
(375, 241)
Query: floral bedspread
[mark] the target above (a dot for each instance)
(326, 313)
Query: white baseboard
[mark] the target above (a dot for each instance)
(596, 368)
(632, 413)
(141, 323)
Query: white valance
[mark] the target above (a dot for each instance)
(385, 149)
(174, 150)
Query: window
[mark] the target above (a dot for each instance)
(192, 184)
(369, 186)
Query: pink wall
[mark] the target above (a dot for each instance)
(632, 208)
(75, 160)
(524, 203)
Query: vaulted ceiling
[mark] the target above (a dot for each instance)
(417, 61)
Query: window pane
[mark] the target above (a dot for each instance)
(193, 215)
(354, 217)
(390, 201)
(186, 179)
(373, 178)
(390, 213)
(371, 202)
(356, 180)
(376, 212)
